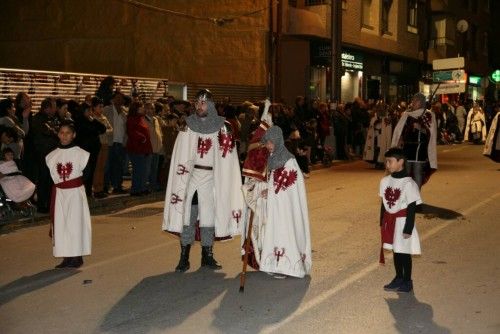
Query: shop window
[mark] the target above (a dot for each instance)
(412, 16)
(386, 10)
(366, 13)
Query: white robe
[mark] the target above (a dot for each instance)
(492, 143)
(396, 195)
(72, 235)
(229, 203)
(18, 188)
(383, 132)
(286, 243)
(475, 123)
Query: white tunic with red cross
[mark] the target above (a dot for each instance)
(286, 240)
(396, 194)
(72, 229)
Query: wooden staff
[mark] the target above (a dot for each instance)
(246, 247)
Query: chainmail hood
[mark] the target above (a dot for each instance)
(205, 125)
(281, 155)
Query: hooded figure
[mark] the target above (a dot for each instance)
(204, 186)
(285, 247)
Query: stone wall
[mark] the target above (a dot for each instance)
(115, 37)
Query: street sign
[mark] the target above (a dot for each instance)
(448, 63)
(449, 88)
(455, 75)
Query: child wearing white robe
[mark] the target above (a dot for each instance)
(71, 229)
(400, 196)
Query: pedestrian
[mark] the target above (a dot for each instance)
(204, 161)
(71, 231)
(286, 243)
(475, 129)
(492, 144)
(416, 134)
(400, 196)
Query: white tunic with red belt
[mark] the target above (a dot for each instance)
(72, 234)
(396, 194)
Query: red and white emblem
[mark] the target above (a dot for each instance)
(283, 179)
(204, 145)
(392, 195)
(64, 170)
(226, 143)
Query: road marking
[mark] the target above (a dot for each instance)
(453, 149)
(360, 274)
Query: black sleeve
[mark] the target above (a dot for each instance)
(410, 218)
(382, 211)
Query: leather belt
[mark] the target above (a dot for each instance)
(203, 167)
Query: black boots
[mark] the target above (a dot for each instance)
(64, 263)
(71, 262)
(207, 258)
(184, 260)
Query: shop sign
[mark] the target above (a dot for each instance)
(352, 61)
(321, 55)
(456, 75)
(474, 80)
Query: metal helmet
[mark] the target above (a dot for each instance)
(204, 95)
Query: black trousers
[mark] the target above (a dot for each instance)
(403, 264)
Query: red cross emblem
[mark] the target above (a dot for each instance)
(284, 179)
(181, 170)
(65, 170)
(426, 120)
(279, 253)
(391, 196)
(226, 143)
(174, 199)
(204, 145)
(237, 215)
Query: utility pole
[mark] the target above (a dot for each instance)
(336, 32)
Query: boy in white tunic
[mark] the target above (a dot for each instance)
(71, 231)
(400, 196)
(286, 244)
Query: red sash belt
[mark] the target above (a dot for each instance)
(73, 183)
(387, 229)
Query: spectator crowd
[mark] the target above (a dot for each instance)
(133, 136)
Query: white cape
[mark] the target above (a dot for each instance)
(229, 202)
(431, 147)
(286, 240)
(383, 139)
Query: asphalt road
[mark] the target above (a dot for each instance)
(128, 285)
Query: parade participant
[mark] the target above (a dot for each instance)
(475, 128)
(204, 161)
(71, 230)
(286, 243)
(400, 196)
(378, 136)
(416, 134)
(492, 145)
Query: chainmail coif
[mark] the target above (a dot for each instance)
(205, 125)
(281, 155)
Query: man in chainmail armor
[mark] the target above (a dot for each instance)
(204, 185)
